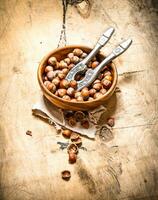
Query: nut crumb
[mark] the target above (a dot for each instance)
(29, 133)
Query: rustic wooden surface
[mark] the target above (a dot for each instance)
(125, 164)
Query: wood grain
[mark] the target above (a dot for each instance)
(123, 166)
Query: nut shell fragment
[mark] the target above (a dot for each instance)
(65, 175)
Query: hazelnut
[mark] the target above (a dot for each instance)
(62, 64)
(77, 94)
(79, 115)
(78, 77)
(108, 77)
(85, 123)
(71, 91)
(85, 93)
(94, 64)
(65, 70)
(50, 75)
(77, 52)
(84, 55)
(106, 83)
(72, 148)
(73, 100)
(66, 133)
(96, 81)
(70, 55)
(72, 121)
(92, 92)
(68, 113)
(64, 83)
(56, 66)
(66, 97)
(97, 86)
(73, 84)
(75, 59)
(61, 75)
(90, 64)
(80, 98)
(51, 87)
(98, 95)
(103, 90)
(111, 121)
(46, 83)
(71, 66)
(56, 93)
(100, 76)
(56, 81)
(67, 60)
(72, 157)
(74, 136)
(48, 68)
(107, 73)
(65, 175)
(90, 99)
(61, 92)
(78, 142)
(52, 61)
(46, 78)
(94, 58)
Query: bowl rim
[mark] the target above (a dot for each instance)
(39, 75)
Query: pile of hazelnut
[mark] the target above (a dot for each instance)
(56, 71)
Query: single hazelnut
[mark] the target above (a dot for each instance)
(85, 123)
(65, 175)
(74, 136)
(80, 98)
(84, 55)
(61, 75)
(68, 113)
(50, 75)
(56, 67)
(71, 91)
(66, 133)
(48, 68)
(46, 83)
(67, 60)
(94, 64)
(77, 52)
(79, 115)
(107, 73)
(64, 83)
(73, 100)
(56, 93)
(100, 76)
(106, 83)
(108, 77)
(56, 81)
(85, 93)
(72, 148)
(65, 70)
(66, 97)
(103, 90)
(98, 95)
(71, 66)
(111, 121)
(73, 84)
(75, 59)
(97, 86)
(90, 99)
(51, 87)
(96, 81)
(92, 92)
(78, 77)
(90, 64)
(77, 94)
(70, 55)
(45, 78)
(52, 61)
(61, 92)
(72, 121)
(62, 64)
(72, 157)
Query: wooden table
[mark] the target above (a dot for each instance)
(125, 166)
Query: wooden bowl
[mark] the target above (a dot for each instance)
(60, 53)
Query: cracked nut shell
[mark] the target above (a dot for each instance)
(66, 175)
(72, 148)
